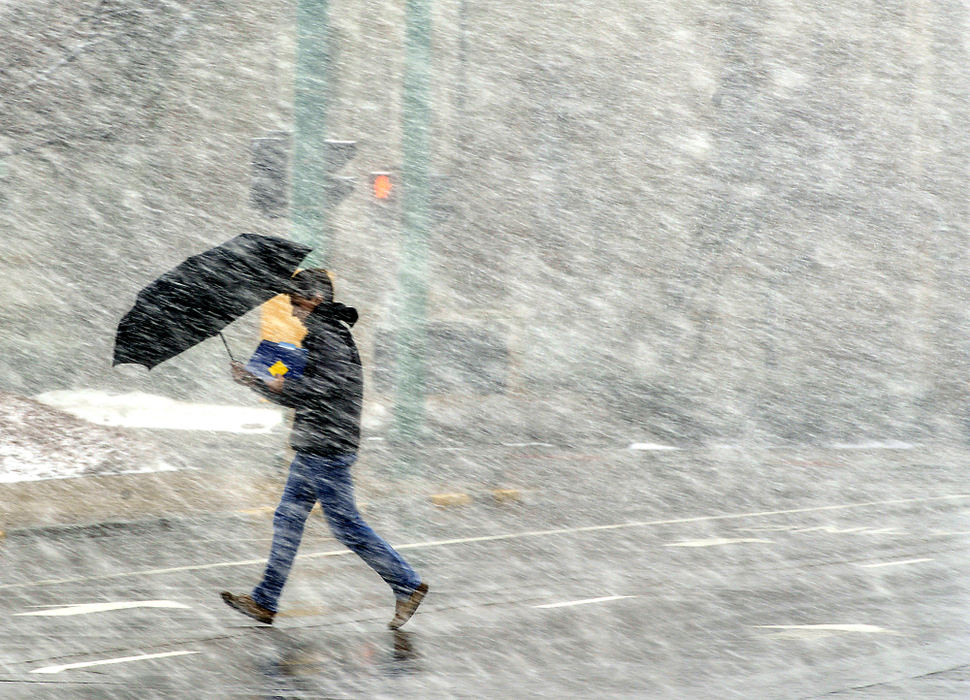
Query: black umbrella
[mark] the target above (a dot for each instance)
(201, 296)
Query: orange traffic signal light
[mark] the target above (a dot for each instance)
(382, 185)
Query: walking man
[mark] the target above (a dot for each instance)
(325, 436)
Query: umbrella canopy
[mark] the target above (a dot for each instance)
(201, 296)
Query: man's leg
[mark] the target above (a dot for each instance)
(288, 523)
(335, 491)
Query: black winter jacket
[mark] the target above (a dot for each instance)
(329, 394)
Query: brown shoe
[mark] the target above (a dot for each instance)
(247, 606)
(405, 608)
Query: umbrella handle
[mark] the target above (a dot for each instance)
(233, 359)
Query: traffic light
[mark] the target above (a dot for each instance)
(336, 154)
(382, 185)
(270, 188)
(384, 198)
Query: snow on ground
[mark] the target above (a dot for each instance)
(139, 410)
(650, 446)
(41, 442)
(64, 434)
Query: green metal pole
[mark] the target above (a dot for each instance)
(415, 186)
(311, 96)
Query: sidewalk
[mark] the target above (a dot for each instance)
(84, 457)
(206, 473)
(196, 481)
(209, 473)
(233, 475)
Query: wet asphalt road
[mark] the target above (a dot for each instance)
(656, 576)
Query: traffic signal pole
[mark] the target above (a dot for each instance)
(315, 190)
(415, 192)
(310, 101)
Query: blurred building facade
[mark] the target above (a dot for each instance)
(688, 223)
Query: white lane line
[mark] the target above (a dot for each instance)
(874, 445)
(104, 662)
(650, 523)
(893, 563)
(867, 629)
(586, 601)
(143, 572)
(507, 536)
(651, 447)
(716, 542)
(88, 608)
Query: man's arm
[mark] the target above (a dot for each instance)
(304, 392)
(317, 385)
(242, 376)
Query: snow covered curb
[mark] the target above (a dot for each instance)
(140, 410)
(67, 434)
(40, 442)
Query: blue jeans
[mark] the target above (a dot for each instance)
(326, 480)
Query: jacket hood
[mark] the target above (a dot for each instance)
(334, 312)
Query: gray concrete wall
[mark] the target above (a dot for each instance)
(685, 222)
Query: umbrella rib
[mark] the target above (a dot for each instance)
(227, 346)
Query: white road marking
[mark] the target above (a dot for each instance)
(503, 537)
(586, 601)
(874, 445)
(770, 528)
(815, 632)
(146, 572)
(87, 608)
(830, 529)
(104, 662)
(893, 563)
(868, 629)
(716, 541)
